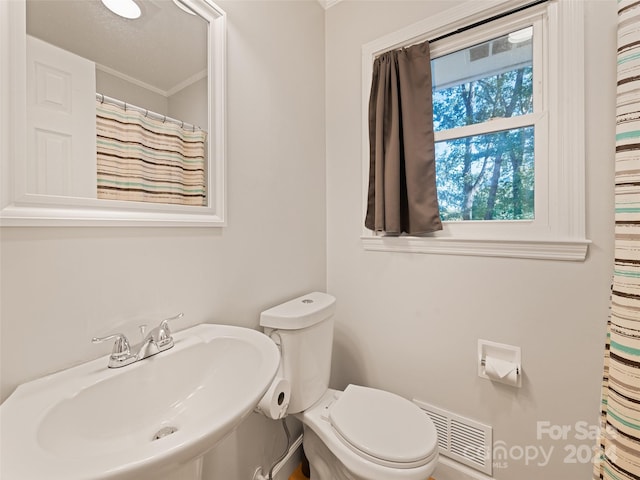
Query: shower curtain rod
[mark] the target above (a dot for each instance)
(147, 113)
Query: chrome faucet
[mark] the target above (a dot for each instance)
(157, 340)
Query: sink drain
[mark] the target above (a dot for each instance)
(163, 432)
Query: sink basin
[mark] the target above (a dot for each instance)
(91, 422)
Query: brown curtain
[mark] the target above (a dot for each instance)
(402, 174)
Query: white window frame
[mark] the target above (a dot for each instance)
(558, 230)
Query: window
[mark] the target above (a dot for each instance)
(483, 173)
(509, 154)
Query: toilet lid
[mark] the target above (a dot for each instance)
(383, 425)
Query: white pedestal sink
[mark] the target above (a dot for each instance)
(91, 422)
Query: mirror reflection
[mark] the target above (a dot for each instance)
(118, 107)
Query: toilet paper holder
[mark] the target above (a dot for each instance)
(500, 362)
(483, 362)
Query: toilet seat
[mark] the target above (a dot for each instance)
(383, 428)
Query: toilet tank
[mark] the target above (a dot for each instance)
(303, 329)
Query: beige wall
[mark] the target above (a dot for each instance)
(61, 286)
(120, 89)
(188, 105)
(409, 323)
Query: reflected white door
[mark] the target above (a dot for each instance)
(61, 122)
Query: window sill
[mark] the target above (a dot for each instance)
(564, 250)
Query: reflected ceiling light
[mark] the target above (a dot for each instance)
(521, 35)
(124, 8)
(183, 7)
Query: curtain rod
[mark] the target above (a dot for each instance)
(490, 19)
(147, 113)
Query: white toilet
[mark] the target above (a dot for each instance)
(359, 434)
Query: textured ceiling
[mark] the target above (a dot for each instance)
(162, 48)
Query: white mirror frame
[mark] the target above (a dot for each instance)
(19, 208)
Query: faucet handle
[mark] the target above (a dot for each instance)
(121, 348)
(164, 332)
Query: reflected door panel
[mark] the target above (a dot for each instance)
(61, 129)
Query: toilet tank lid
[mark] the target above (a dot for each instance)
(300, 312)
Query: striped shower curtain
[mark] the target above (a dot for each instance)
(619, 453)
(141, 159)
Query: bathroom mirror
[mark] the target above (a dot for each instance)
(112, 120)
